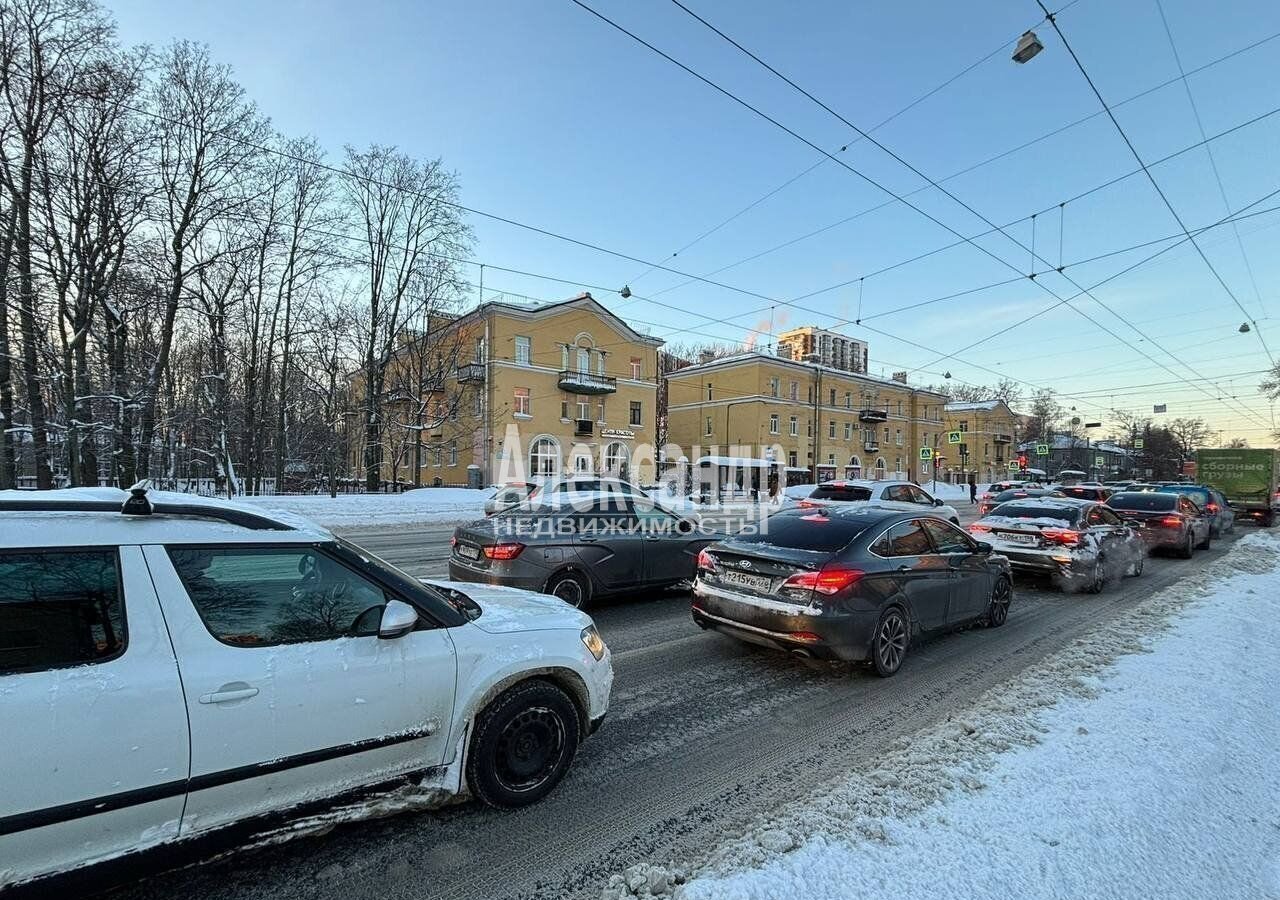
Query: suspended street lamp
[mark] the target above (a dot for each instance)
(1028, 46)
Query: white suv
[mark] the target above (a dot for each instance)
(181, 668)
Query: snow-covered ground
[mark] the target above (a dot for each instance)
(442, 505)
(1158, 776)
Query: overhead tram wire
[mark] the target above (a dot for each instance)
(1213, 162)
(1155, 184)
(783, 127)
(896, 157)
(981, 163)
(822, 162)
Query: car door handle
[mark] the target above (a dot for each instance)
(587, 540)
(230, 692)
(652, 537)
(905, 568)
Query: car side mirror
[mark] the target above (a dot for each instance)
(984, 547)
(937, 502)
(398, 619)
(684, 526)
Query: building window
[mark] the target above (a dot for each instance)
(792, 458)
(522, 350)
(897, 464)
(615, 459)
(477, 404)
(886, 435)
(795, 426)
(808, 427)
(635, 368)
(848, 399)
(544, 456)
(708, 390)
(833, 396)
(773, 423)
(564, 356)
(880, 468)
(436, 456)
(599, 362)
(774, 387)
(848, 431)
(522, 402)
(899, 407)
(925, 465)
(831, 429)
(708, 425)
(964, 426)
(897, 437)
(584, 361)
(637, 417)
(600, 411)
(453, 453)
(584, 408)
(564, 410)
(831, 459)
(479, 350)
(795, 390)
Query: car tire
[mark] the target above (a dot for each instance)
(955, 522)
(523, 744)
(1206, 543)
(570, 587)
(998, 605)
(1138, 565)
(1188, 548)
(889, 642)
(1098, 577)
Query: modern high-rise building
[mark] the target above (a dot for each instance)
(825, 348)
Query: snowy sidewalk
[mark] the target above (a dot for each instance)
(421, 506)
(1159, 779)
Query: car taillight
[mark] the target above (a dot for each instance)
(979, 528)
(1064, 536)
(830, 579)
(503, 551)
(706, 560)
(807, 504)
(453, 540)
(1211, 507)
(1171, 521)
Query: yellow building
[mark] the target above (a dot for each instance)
(530, 392)
(830, 422)
(989, 430)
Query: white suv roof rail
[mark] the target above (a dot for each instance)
(139, 505)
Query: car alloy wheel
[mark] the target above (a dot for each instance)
(998, 608)
(1138, 565)
(1097, 577)
(529, 749)
(890, 644)
(570, 588)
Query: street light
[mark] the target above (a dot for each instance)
(1028, 46)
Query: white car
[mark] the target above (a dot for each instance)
(182, 668)
(902, 495)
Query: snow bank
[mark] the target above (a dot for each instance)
(442, 505)
(1157, 776)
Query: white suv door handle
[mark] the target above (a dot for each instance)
(236, 690)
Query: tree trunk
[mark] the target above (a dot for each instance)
(27, 324)
(8, 464)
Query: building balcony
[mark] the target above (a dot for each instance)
(872, 415)
(871, 446)
(1002, 438)
(471, 372)
(586, 383)
(583, 428)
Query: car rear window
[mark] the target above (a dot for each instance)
(1083, 493)
(840, 492)
(1146, 501)
(1199, 495)
(807, 532)
(1023, 510)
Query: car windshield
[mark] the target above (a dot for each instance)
(1144, 501)
(812, 531)
(1068, 515)
(1200, 496)
(840, 492)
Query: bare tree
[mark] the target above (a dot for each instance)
(1189, 433)
(209, 144)
(45, 46)
(410, 231)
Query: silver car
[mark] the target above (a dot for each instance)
(508, 496)
(598, 545)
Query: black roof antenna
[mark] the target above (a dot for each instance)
(137, 504)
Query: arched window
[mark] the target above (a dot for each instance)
(880, 468)
(854, 469)
(544, 457)
(615, 459)
(584, 361)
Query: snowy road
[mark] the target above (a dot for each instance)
(704, 734)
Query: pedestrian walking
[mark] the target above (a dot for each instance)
(973, 492)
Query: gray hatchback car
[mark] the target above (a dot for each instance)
(601, 545)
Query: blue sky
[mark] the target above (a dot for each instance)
(553, 118)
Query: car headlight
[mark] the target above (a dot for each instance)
(594, 642)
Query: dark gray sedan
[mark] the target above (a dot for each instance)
(601, 545)
(849, 584)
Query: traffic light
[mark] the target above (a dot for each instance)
(1022, 460)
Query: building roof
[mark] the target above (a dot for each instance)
(966, 406)
(748, 356)
(533, 311)
(1067, 442)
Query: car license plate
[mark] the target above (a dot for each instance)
(466, 551)
(1029, 539)
(742, 579)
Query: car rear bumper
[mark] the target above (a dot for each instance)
(460, 570)
(1056, 562)
(1162, 538)
(842, 636)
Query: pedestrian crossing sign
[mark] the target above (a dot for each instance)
(926, 453)
(953, 437)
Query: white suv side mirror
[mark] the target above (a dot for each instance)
(398, 619)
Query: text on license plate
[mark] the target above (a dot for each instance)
(1019, 538)
(742, 579)
(469, 552)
